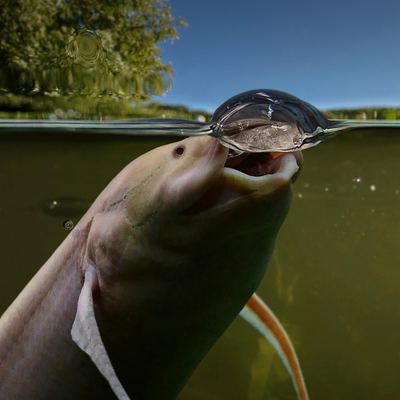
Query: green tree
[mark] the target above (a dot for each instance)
(68, 48)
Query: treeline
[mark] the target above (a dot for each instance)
(364, 113)
(44, 107)
(89, 60)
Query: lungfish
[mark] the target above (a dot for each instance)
(167, 256)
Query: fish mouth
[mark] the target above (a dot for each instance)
(249, 176)
(253, 164)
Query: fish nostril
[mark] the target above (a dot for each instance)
(179, 151)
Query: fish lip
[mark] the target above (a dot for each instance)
(254, 176)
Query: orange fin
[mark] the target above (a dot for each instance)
(258, 314)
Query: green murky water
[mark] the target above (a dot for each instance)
(333, 280)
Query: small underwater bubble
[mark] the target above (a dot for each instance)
(77, 114)
(53, 117)
(373, 188)
(358, 179)
(70, 113)
(68, 224)
(58, 112)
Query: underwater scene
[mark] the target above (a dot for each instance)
(80, 102)
(332, 279)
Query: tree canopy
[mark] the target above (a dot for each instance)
(98, 48)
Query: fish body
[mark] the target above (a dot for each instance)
(159, 266)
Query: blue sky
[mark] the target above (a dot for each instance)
(329, 53)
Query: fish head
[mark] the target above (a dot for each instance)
(188, 203)
(128, 219)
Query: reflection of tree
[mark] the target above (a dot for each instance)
(75, 47)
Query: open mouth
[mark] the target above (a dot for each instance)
(253, 164)
(245, 175)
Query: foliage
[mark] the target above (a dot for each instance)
(96, 48)
(22, 107)
(364, 113)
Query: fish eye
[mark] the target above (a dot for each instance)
(179, 151)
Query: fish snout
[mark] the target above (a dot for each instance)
(204, 147)
(196, 165)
